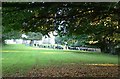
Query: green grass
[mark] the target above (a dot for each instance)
(22, 58)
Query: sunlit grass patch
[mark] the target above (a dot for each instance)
(13, 51)
(103, 64)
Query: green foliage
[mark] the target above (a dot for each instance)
(79, 40)
(12, 35)
(34, 35)
(45, 17)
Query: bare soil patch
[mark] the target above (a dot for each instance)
(73, 70)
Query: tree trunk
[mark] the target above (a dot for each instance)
(111, 49)
(107, 46)
(103, 46)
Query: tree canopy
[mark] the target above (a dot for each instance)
(45, 17)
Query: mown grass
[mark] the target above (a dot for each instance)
(22, 58)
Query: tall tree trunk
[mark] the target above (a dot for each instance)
(111, 48)
(103, 46)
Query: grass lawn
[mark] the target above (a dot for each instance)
(17, 57)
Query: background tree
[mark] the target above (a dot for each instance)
(80, 40)
(11, 35)
(34, 36)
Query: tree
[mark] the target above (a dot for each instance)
(11, 35)
(79, 40)
(34, 36)
(107, 33)
(65, 18)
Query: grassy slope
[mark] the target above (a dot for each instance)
(22, 58)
